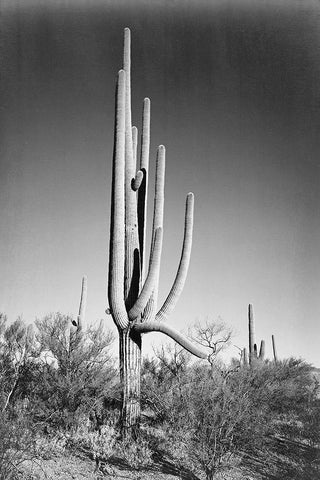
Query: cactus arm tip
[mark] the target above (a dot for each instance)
(137, 181)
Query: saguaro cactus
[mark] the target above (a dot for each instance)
(252, 348)
(132, 293)
(274, 349)
(262, 350)
(244, 357)
(79, 323)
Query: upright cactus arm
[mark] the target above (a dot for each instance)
(134, 146)
(117, 231)
(155, 326)
(143, 187)
(129, 151)
(132, 254)
(179, 281)
(158, 209)
(159, 189)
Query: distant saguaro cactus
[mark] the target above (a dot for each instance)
(253, 348)
(132, 294)
(79, 323)
(274, 349)
(251, 334)
(262, 350)
(244, 357)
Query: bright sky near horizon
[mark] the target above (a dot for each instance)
(235, 98)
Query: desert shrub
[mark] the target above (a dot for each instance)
(98, 445)
(17, 359)
(205, 412)
(76, 372)
(50, 446)
(17, 446)
(216, 417)
(137, 454)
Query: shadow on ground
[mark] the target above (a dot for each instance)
(161, 464)
(285, 459)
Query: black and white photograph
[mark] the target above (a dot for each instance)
(160, 239)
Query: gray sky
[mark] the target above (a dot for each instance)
(235, 92)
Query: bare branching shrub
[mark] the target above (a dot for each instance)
(214, 335)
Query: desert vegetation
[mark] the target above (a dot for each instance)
(200, 419)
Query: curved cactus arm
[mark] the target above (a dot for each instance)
(155, 326)
(179, 281)
(137, 181)
(148, 287)
(83, 304)
(117, 247)
(150, 310)
(134, 131)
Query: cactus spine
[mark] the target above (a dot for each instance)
(132, 290)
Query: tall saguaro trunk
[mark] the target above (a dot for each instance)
(132, 286)
(130, 373)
